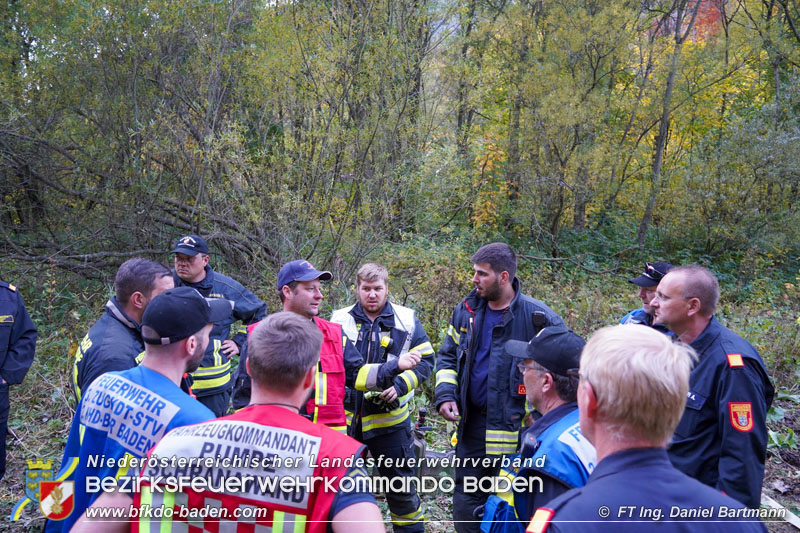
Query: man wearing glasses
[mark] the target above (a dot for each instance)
(553, 449)
(647, 282)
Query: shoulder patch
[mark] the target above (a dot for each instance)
(6, 319)
(741, 416)
(540, 521)
(735, 359)
(521, 390)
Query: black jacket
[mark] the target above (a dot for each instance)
(506, 409)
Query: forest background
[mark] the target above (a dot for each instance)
(590, 135)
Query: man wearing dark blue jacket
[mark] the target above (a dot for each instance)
(114, 342)
(722, 438)
(212, 381)
(477, 382)
(17, 345)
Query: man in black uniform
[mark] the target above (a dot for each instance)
(722, 438)
(212, 381)
(114, 342)
(477, 382)
(17, 344)
(631, 394)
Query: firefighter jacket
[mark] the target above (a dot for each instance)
(506, 407)
(394, 332)
(113, 343)
(17, 336)
(721, 438)
(214, 374)
(294, 469)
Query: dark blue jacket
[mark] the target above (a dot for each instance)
(721, 439)
(213, 376)
(637, 490)
(17, 336)
(505, 411)
(113, 343)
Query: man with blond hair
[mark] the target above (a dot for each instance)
(722, 438)
(384, 332)
(632, 389)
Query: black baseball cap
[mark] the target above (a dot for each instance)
(180, 312)
(556, 348)
(190, 245)
(653, 272)
(300, 270)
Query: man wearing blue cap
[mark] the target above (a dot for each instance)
(124, 414)
(553, 449)
(212, 381)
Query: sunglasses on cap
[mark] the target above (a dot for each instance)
(652, 272)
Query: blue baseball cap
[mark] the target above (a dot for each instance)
(300, 270)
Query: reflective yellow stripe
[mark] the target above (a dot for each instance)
(349, 416)
(322, 387)
(453, 334)
(139, 358)
(145, 502)
(425, 348)
(123, 470)
(211, 370)
(211, 383)
(367, 378)
(408, 519)
(209, 377)
(410, 379)
(241, 329)
(500, 442)
(340, 429)
(382, 420)
(283, 522)
(315, 414)
(446, 376)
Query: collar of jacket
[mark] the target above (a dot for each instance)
(387, 313)
(707, 337)
(113, 308)
(475, 302)
(205, 285)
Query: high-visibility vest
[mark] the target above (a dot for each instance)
(266, 442)
(326, 405)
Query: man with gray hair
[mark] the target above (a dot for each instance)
(632, 389)
(268, 441)
(722, 437)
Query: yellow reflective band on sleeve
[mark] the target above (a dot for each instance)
(241, 329)
(383, 420)
(446, 376)
(349, 416)
(410, 379)
(425, 349)
(501, 442)
(340, 429)
(367, 378)
(283, 522)
(409, 519)
(453, 334)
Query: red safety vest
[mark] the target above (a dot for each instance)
(326, 405)
(256, 433)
